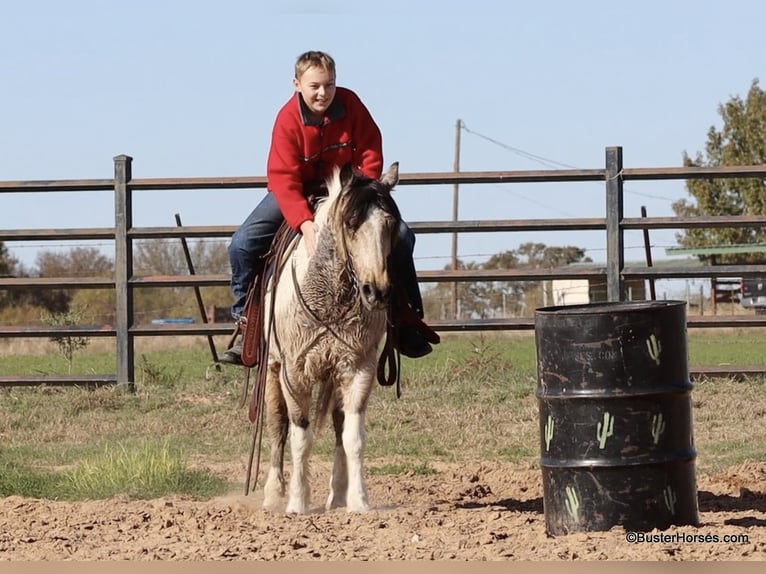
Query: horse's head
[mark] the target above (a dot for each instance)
(366, 222)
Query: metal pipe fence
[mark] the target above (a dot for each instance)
(613, 273)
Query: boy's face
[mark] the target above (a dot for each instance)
(317, 86)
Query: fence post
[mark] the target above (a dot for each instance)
(123, 270)
(615, 244)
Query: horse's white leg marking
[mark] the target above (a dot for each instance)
(339, 476)
(353, 444)
(274, 489)
(354, 406)
(300, 449)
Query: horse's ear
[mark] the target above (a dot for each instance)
(346, 174)
(391, 177)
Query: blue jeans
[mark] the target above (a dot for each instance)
(253, 239)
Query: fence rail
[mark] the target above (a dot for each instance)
(613, 273)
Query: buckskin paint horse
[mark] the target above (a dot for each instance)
(323, 334)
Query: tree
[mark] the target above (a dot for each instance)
(740, 141)
(7, 261)
(68, 344)
(151, 257)
(486, 299)
(17, 304)
(9, 267)
(166, 257)
(77, 262)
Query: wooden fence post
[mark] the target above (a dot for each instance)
(123, 270)
(615, 244)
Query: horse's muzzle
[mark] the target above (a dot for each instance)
(375, 297)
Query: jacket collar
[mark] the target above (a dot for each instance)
(335, 112)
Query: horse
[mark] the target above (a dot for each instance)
(323, 333)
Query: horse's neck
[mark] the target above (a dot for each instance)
(326, 286)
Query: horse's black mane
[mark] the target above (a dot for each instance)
(362, 194)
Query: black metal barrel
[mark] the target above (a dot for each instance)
(614, 396)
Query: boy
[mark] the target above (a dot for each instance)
(320, 127)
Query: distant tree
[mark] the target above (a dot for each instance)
(18, 305)
(540, 255)
(7, 261)
(9, 267)
(166, 257)
(486, 299)
(740, 141)
(522, 297)
(77, 262)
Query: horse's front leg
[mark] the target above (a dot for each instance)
(339, 477)
(301, 439)
(276, 426)
(298, 401)
(354, 406)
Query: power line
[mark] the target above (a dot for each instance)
(525, 154)
(547, 162)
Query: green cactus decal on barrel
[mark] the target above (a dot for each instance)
(573, 503)
(548, 432)
(658, 427)
(670, 499)
(655, 348)
(604, 430)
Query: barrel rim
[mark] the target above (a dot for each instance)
(608, 307)
(614, 393)
(676, 459)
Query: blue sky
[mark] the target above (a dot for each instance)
(190, 88)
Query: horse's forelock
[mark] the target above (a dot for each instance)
(362, 194)
(333, 183)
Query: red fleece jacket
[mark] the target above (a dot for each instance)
(304, 152)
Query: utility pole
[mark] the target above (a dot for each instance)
(455, 191)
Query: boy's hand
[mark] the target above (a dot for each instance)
(309, 230)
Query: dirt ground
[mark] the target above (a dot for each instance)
(467, 512)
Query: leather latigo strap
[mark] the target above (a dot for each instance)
(252, 324)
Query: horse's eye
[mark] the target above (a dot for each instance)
(350, 225)
(390, 220)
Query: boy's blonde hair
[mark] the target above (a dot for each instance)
(313, 59)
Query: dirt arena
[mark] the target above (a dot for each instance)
(468, 512)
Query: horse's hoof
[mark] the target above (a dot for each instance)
(358, 506)
(271, 504)
(295, 508)
(358, 509)
(334, 503)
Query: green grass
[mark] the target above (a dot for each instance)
(20, 480)
(727, 347)
(143, 471)
(473, 398)
(139, 471)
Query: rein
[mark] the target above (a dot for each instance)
(327, 325)
(312, 314)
